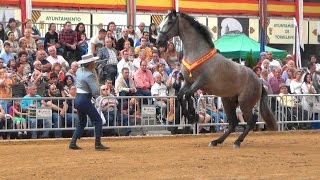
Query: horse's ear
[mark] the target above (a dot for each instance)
(174, 12)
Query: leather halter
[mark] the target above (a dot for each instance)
(198, 62)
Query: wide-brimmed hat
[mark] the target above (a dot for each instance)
(87, 58)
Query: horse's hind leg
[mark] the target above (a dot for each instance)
(230, 105)
(251, 122)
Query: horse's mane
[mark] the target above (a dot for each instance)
(203, 30)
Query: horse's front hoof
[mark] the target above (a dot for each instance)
(213, 143)
(236, 145)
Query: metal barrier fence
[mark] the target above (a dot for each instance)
(124, 115)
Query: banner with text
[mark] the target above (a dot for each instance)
(282, 31)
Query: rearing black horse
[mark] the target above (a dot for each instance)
(204, 68)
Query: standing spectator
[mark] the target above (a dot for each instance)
(125, 37)
(97, 42)
(5, 54)
(276, 80)
(52, 39)
(143, 79)
(273, 62)
(35, 34)
(153, 34)
(295, 84)
(109, 65)
(68, 39)
(12, 26)
(308, 88)
(73, 70)
(29, 103)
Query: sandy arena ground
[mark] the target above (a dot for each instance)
(263, 155)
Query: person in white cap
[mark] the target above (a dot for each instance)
(87, 86)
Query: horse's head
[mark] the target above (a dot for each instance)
(169, 28)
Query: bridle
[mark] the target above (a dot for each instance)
(175, 21)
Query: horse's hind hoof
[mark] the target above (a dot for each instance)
(213, 143)
(236, 145)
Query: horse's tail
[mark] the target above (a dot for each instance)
(266, 112)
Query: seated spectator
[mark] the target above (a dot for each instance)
(122, 41)
(68, 40)
(68, 82)
(45, 64)
(59, 109)
(29, 105)
(137, 61)
(109, 83)
(293, 108)
(55, 80)
(58, 69)
(23, 47)
(159, 89)
(144, 46)
(108, 107)
(125, 63)
(217, 115)
(27, 71)
(161, 69)
(113, 39)
(143, 79)
(290, 65)
(41, 81)
(72, 113)
(172, 56)
(18, 117)
(5, 85)
(5, 123)
(203, 116)
(83, 45)
(97, 42)
(5, 54)
(264, 80)
(19, 82)
(107, 67)
(52, 39)
(10, 66)
(54, 58)
(145, 35)
(31, 43)
(156, 60)
(124, 84)
(34, 33)
(14, 44)
(13, 27)
(73, 70)
(126, 47)
(40, 45)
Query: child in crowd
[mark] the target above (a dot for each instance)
(16, 112)
(83, 44)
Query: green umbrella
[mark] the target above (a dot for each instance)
(238, 45)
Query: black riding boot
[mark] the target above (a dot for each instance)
(99, 146)
(73, 143)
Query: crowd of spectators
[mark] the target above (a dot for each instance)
(129, 64)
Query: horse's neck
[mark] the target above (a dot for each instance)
(194, 45)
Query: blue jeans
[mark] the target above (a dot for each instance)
(122, 119)
(33, 125)
(85, 107)
(144, 92)
(57, 123)
(72, 122)
(217, 116)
